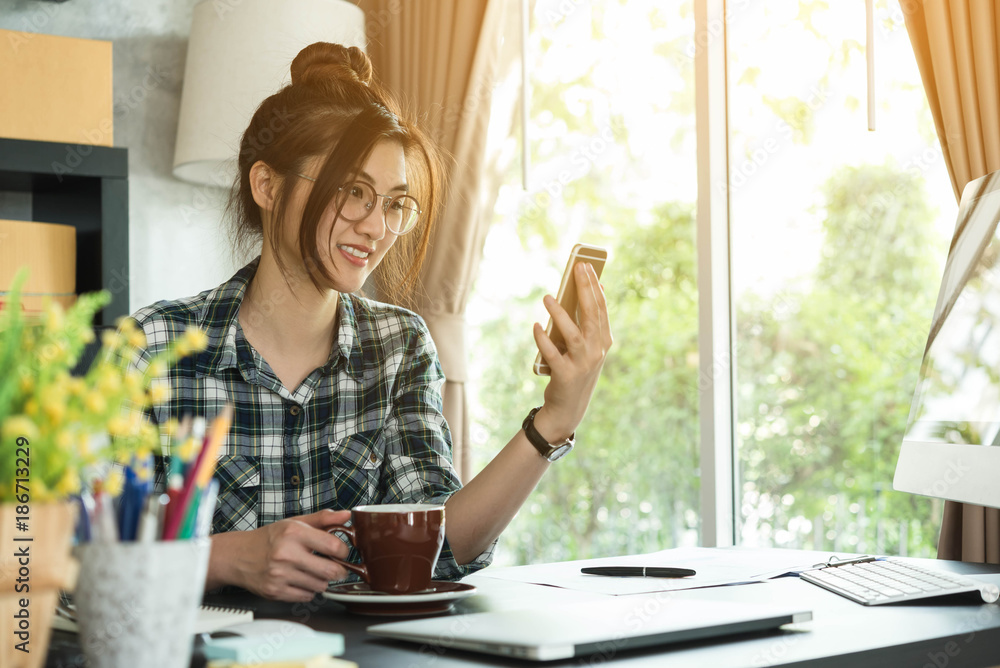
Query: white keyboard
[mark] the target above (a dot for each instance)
(879, 581)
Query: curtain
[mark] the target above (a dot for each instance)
(442, 58)
(955, 43)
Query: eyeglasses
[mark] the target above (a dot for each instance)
(356, 201)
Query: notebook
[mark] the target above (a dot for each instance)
(555, 632)
(210, 618)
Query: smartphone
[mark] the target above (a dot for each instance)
(568, 298)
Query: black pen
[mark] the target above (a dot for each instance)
(638, 571)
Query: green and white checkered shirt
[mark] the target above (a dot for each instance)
(365, 428)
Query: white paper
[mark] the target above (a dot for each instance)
(713, 566)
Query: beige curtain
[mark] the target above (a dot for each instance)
(442, 57)
(955, 42)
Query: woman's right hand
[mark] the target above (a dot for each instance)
(283, 561)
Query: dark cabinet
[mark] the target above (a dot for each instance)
(80, 185)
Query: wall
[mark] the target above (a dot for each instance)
(177, 240)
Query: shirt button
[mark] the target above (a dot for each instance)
(295, 410)
(295, 481)
(373, 458)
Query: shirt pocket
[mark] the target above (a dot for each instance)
(356, 461)
(239, 493)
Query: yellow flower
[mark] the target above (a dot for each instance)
(126, 325)
(110, 339)
(159, 392)
(69, 483)
(118, 426)
(109, 381)
(64, 440)
(77, 387)
(133, 385)
(113, 483)
(157, 368)
(56, 412)
(31, 407)
(41, 493)
(195, 339)
(137, 339)
(148, 435)
(83, 445)
(135, 422)
(54, 317)
(18, 426)
(53, 400)
(95, 402)
(170, 427)
(187, 449)
(27, 384)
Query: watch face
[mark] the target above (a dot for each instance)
(560, 452)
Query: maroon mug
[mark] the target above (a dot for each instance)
(399, 545)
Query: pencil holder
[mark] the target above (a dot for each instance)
(137, 602)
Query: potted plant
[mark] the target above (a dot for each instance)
(55, 428)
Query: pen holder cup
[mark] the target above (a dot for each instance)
(137, 603)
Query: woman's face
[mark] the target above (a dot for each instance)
(350, 251)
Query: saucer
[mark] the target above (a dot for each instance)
(359, 598)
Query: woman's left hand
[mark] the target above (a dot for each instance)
(574, 373)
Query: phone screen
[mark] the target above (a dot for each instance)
(568, 298)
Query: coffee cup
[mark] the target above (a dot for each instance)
(399, 545)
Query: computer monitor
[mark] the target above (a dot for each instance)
(951, 448)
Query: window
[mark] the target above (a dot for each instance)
(839, 237)
(612, 163)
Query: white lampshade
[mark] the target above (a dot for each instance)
(239, 54)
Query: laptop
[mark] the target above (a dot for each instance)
(596, 627)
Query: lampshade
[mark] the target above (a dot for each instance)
(238, 54)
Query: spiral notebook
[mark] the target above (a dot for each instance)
(210, 617)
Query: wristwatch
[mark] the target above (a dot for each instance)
(551, 451)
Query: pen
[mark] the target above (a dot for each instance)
(104, 528)
(86, 503)
(129, 509)
(638, 571)
(206, 510)
(200, 474)
(151, 520)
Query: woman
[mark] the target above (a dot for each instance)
(337, 398)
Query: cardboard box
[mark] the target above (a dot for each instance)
(49, 251)
(55, 89)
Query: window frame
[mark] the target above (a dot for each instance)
(716, 319)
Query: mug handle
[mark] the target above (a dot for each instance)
(357, 569)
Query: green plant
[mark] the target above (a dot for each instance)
(70, 423)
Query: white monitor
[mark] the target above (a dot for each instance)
(951, 448)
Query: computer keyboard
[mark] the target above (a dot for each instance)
(874, 581)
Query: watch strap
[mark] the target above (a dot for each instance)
(551, 451)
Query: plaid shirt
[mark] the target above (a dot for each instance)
(365, 428)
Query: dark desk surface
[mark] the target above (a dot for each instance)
(842, 633)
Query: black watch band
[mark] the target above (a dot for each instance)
(551, 451)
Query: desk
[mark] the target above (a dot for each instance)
(842, 633)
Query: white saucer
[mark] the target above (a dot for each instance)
(358, 597)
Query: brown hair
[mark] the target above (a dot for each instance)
(333, 107)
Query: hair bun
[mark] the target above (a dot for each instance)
(318, 63)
